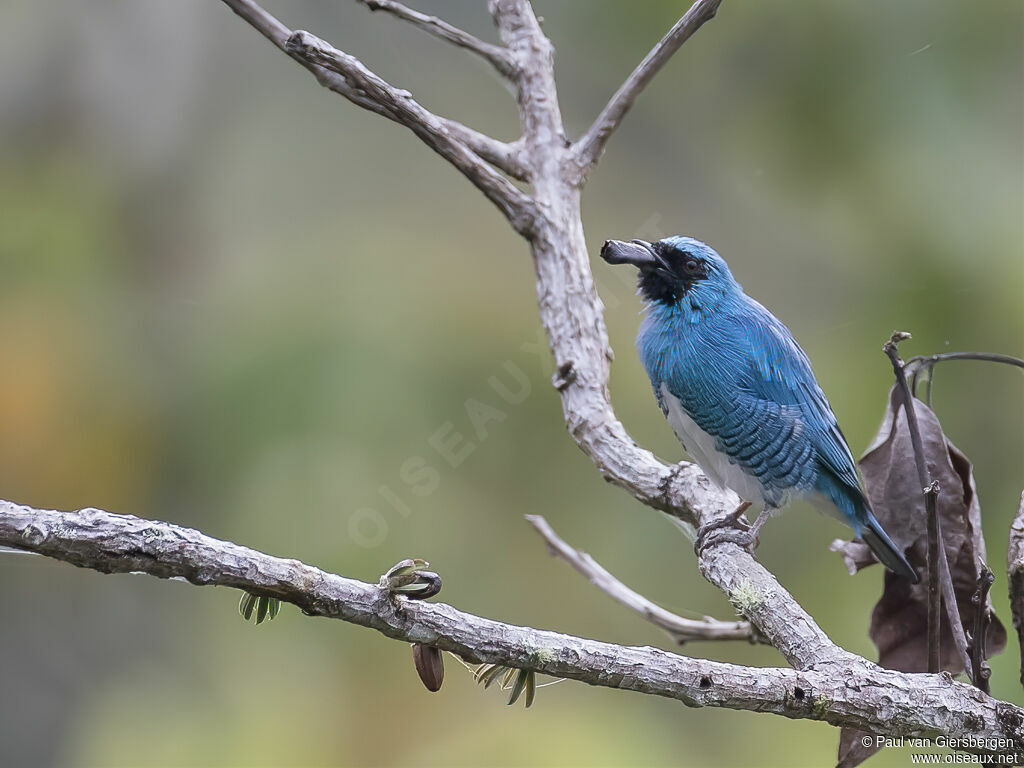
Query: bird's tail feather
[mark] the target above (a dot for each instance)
(885, 550)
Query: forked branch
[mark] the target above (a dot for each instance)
(504, 156)
(518, 208)
(940, 580)
(497, 56)
(680, 629)
(587, 150)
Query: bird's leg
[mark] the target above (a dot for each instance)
(737, 513)
(762, 517)
(728, 528)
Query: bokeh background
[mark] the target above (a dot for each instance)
(231, 300)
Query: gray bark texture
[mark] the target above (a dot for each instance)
(823, 682)
(1015, 572)
(845, 690)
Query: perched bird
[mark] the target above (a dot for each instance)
(739, 391)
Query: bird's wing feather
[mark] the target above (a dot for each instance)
(781, 372)
(709, 371)
(745, 380)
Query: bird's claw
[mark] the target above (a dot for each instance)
(730, 528)
(714, 535)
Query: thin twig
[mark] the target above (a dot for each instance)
(497, 56)
(930, 489)
(680, 629)
(506, 157)
(915, 365)
(979, 669)
(956, 627)
(972, 654)
(944, 595)
(1015, 578)
(589, 147)
(990, 357)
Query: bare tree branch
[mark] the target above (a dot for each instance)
(861, 695)
(1015, 578)
(497, 56)
(940, 581)
(539, 113)
(573, 319)
(498, 153)
(949, 602)
(587, 150)
(980, 670)
(931, 493)
(828, 682)
(518, 208)
(679, 629)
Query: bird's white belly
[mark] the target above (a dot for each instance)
(722, 471)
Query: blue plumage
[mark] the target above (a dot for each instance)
(739, 391)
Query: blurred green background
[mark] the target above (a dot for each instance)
(231, 300)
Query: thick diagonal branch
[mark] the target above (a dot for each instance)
(498, 153)
(572, 316)
(862, 695)
(573, 319)
(497, 56)
(588, 149)
(680, 629)
(537, 93)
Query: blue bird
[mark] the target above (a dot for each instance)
(739, 391)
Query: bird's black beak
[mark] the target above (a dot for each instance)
(639, 253)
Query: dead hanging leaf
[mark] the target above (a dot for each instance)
(429, 665)
(894, 490)
(899, 622)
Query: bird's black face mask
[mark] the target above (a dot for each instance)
(666, 272)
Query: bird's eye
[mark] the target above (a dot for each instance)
(692, 266)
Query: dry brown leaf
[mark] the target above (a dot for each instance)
(899, 622)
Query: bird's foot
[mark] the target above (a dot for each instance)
(720, 532)
(731, 528)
